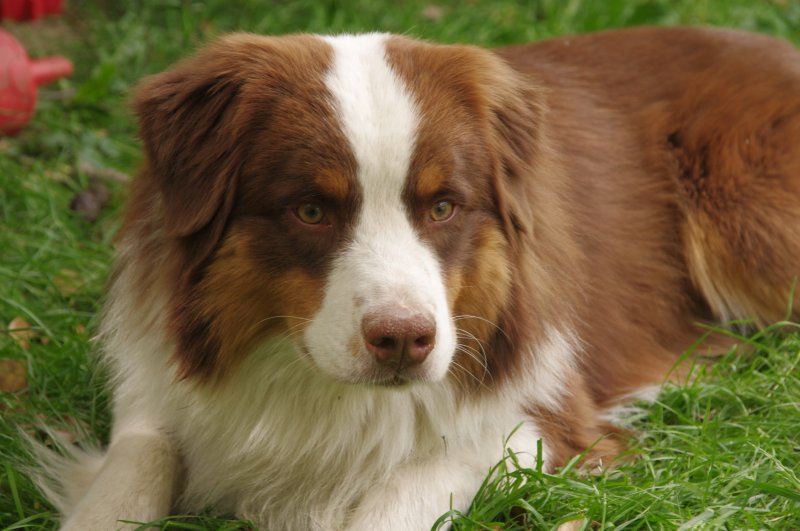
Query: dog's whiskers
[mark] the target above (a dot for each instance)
(456, 367)
(264, 320)
(465, 334)
(480, 362)
(289, 331)
(483, 319)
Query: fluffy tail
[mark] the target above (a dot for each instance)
(739, 175)
(63, 475)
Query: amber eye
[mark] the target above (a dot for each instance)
(310, 213)
(442, 210)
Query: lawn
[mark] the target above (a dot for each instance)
(722, 452)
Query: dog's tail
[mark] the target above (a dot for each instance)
(64, 473)
(738, 175)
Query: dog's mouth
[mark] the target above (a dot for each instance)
(390, 377)
(394, 380)
(396, 376)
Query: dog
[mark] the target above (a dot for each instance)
(355, 270)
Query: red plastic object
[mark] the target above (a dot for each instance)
(29, 9)
(19, 79)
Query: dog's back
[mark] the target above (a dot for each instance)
(682, 150)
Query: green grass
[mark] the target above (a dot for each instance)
(722, 452)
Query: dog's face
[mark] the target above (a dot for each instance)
(348, 194)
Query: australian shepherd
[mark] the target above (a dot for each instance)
(355, 270)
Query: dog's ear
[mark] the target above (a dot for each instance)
(511, 109)
(193, 127)
(192, 132)
(516, 113)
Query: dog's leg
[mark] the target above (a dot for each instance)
(135, 482)
(418, 493)
(414, 497)
(738, 170)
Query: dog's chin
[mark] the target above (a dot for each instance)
(373, 375)
(384, 377)
(393, 379)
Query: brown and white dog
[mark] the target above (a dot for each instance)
(353, 268)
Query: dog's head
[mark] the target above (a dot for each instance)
(358, 195)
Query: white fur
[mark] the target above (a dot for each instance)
(136, 482)
(292, 446)
(725, 303)
(626, 412)
(548, 366)
(386, 266)
(288, 447)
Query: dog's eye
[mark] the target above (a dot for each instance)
(442, 211)
(310, 213)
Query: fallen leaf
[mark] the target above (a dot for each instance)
(13, 376)
(207, 27)
(65, 435)
(68, 282)
(574, 525)
(60, 174)
(433, 13)
(88, 203)
(98, 172)
(20, 331)
(65, 429)
(71, 428)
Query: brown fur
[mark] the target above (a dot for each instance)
(197, 123)
(630, 184)
(684, 185)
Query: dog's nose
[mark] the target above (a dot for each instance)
(399, 341)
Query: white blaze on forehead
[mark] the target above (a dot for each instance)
(385, 266)
(377, 114)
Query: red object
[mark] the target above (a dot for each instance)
(19, 79)
(29, 9)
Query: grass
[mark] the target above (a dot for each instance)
(722, 452)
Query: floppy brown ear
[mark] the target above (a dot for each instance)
(516, 115)
(192, 135)
(192, 125)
